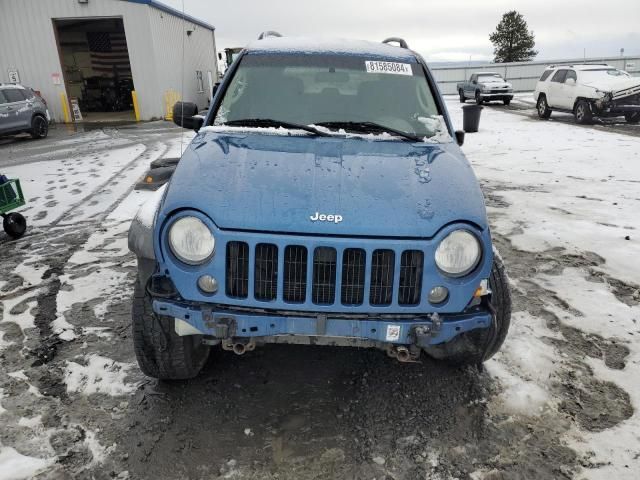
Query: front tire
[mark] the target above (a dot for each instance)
(506, 101)
(161, 353)
(582, 113)
(14, 225)
(632, 118)
(543, 107)
(463, 99)
(478, 98)
(39, 127)
(477, 346)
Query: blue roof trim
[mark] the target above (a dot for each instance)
(173, 11)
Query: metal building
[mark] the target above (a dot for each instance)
(523, 75)
(107, 59)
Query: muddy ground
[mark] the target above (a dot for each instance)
(280, 412)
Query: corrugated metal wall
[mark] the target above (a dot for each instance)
(199, 55)
(154, 39)
(523, 75)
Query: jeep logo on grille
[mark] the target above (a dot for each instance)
(322, 217)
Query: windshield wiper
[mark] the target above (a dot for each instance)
(269, 122)
(369, 127)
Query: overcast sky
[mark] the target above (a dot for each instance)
(441, 30)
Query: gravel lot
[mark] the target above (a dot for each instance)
(560, 400)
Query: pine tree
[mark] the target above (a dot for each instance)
(512, 40)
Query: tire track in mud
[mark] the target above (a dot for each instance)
(584, 400)
(35, 350)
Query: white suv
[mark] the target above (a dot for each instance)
(588, 91)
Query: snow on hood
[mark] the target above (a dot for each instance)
(610, 83)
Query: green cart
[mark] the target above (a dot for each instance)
(11, 197)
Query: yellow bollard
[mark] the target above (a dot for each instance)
(170, 98)
(136, 110)
(65, 108)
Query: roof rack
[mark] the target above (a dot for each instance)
(269, 33)
(397, 40)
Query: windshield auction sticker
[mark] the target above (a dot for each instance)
(388, 67)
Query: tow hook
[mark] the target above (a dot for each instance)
(239, 348)
(404, 354)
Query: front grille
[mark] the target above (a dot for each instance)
(411, 265)
(363, 276)
(382, 264)
(324, 276)
(237, 270)
(295, 274)
(353, 274)
(266, 272)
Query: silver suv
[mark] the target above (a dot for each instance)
(22, 110)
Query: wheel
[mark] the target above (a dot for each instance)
(161, 353)
(462, 97)
(477, 346)
(506, 101)
(543, 108)
(14, 224)
(582, 112)
(632, 117)
(39, 127)
(478, 98)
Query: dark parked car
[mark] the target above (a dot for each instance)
(22, 110)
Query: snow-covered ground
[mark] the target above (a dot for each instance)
(561, 400)
(558, 190)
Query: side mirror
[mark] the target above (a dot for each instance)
(570, 81)
(215, 89)
(459, 137)
(184, 115)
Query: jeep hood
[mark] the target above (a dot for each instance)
(274, 182)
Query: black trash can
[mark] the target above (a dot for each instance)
(471, 118)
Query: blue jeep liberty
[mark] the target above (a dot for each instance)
(325, 200)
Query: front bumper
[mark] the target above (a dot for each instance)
(496, 95)
(222, 323)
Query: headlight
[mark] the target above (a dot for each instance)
(458, 254)
(191, 240)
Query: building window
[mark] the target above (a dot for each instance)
(200, 82)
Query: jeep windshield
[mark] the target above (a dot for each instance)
(334, 93)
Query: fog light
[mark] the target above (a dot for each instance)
(438, 294)
(208, 284)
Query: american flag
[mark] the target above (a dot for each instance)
(109, 53)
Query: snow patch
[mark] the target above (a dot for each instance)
(15, 466)
(525, 365)
(99, 375)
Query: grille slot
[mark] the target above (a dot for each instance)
(295, 274)
(237, 270)
(411, 268)
(382, 264)
(266, 272)
(324, 276)
(353, 274)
